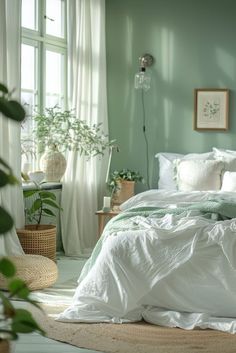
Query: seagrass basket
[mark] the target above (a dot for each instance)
(39, 240)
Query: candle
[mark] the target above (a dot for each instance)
(106, 203)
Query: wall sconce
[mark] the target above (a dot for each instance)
(142, 79)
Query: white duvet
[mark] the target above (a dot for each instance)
(173, 271)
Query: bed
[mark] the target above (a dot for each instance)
(168, 258)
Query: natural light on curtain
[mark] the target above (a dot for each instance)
(87, 94)
(11, 197)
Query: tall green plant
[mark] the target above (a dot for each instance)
(12, 320)
(64, 130)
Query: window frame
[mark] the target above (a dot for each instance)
(43, 42)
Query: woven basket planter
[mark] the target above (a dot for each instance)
(39, 240)
(124, 191)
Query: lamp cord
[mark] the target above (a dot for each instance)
(145, 139)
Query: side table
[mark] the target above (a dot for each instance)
(103, 217)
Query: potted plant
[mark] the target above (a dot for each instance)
(59, 131)
(12, 320)
(121, 184)
(37, 238)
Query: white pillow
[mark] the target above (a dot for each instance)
(227, 156)
(199, 175)
(229, 181)
(166, 166)
(223, 151)
(166, 170)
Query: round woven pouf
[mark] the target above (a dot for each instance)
(35, 270)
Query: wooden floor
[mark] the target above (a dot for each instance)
(35, 343)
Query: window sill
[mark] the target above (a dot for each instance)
(45, 186)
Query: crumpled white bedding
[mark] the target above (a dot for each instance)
(173, 271)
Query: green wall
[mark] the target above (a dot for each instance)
(194, 46)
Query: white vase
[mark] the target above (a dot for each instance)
(53, 164)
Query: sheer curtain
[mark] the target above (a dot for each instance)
(11, 198)
(84, 181)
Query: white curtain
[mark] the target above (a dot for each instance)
(84, 181)
(11, 198)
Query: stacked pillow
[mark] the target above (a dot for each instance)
(166, 170)
(214, 170)
(228, 157)
(173, 167)
(199, 174)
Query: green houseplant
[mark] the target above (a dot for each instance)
(39, 207)
(59, 131)
(43, 235)
(121, 184)
(12, 320)
(63, 130)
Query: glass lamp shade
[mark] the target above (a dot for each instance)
(142, 80)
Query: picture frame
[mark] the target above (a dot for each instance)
(211, 109)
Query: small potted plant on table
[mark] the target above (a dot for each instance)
(121, 184)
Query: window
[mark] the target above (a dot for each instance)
(43, 65)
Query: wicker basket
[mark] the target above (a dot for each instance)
(40, 241)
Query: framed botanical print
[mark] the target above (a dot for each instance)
(211, 109)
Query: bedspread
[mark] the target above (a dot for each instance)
(171, 266)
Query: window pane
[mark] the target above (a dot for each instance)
(52, 100)
(54, 78)
(29, 14)
(28, 101)
(55, 15)
(28, 150)
(28, 57)
(29, 98)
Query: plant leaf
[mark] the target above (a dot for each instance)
(18, 287)
(8, 308)
(4, 178)
(47, 195)
(23, 322)
(36, 205)
(2, 162)
(28, 193)
(52, 203)
(6, 221)
(49, 212)
(3, 88)
(12, 109)
(7, 268)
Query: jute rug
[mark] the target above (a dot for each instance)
(136, 337)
